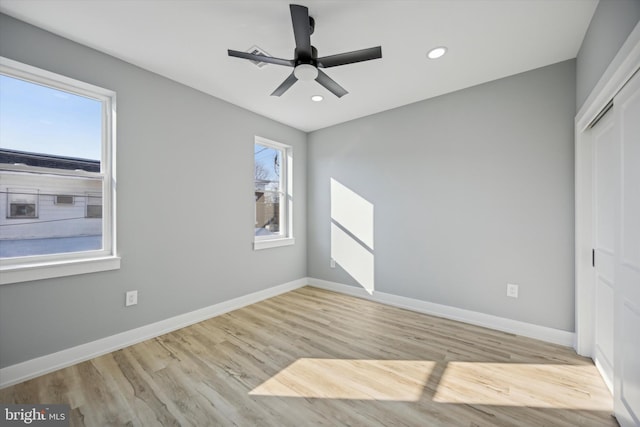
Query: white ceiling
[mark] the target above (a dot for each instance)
(187, 41)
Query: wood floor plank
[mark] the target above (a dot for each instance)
(317, 358)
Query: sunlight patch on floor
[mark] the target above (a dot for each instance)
(397, 380)
(517, 384)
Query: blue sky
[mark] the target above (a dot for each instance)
(39, 119)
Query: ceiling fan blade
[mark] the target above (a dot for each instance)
(330, 84)
(289, 81)
(301, 29)
(261, 58)
(350, 57)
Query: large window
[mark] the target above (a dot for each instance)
(56, 175)
(272, 190)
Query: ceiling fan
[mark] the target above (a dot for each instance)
(306, 64)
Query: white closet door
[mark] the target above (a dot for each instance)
(627, 265)
(605, 173)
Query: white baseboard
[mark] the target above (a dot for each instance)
(26, 370)
(543, 333)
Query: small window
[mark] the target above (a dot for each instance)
(22, 203)
(23, 210)
(94, 206)
(272, 192)
(64, 200)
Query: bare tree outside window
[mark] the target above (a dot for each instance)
(268, 191)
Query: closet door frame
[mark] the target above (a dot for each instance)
(619, 71)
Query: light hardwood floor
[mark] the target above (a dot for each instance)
(313, 357)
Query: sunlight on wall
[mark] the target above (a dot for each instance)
(352, 212)
(352, 234)
(353, 257)
(518, 384)
(397, 380)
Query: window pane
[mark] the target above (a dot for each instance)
(36, 223)
(267, 188)
(48, 129)
(23, 210)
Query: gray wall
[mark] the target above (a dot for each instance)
(470, 190)
(610, 26)
(185, 207)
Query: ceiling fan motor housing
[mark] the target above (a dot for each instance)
(305, 72)
(304, 58)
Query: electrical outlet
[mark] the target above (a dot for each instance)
(131, 298)
(512, 290)
(332, 263)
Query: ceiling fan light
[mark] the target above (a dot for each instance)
(437, 52)
(305, 72)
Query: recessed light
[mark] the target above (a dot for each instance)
(317, 98)
(436, 52)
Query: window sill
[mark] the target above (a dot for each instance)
(49, 270)
(272, 243)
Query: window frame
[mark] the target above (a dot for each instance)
(285, 235)
(35, 267)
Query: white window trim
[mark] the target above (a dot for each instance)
(286, 177)
(15, 270)
(273, 243)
